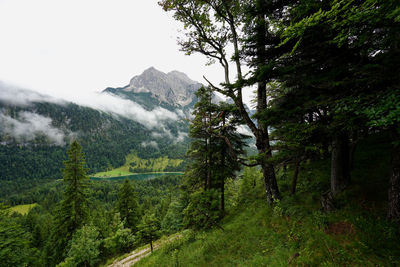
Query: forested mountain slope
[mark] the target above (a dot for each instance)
(36, 129)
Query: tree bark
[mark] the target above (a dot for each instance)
(206, 164)
(340, 172)
(295, 175)
(262, 136)
(394, 181)
(222, 179)
(271, 186)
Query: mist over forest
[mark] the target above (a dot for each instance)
(285, 153)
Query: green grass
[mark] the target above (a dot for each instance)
(22, 209)
(134, 164)
(112, 173)
(295, 232)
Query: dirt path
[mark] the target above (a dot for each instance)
(137, 255)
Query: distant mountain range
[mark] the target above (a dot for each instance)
(148, 116)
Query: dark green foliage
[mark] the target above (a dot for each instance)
(84, 249)
(203, 210)
(14, 241)
(149, 229)
(127, 206)
(119, 239)
(214, 152)
(105, 139)
(72, 211)
(173, 219)
(296, 229)
(75, 200)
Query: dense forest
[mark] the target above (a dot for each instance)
(323, 188)
(106, 138)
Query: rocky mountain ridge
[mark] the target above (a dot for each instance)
(174, 88)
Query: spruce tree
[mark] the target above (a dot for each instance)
(72, 211)
(128, 206)
(149, 229)
(215, 153)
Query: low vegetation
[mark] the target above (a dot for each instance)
(23, 209)
(134, 164)
(295, 231)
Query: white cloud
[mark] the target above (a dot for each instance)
(21, 97)
(181, 137)
(150, 144)
(165, 133)
(243, 129)
(29, 126)
(101, 101)
(70, 46)
(113, 104)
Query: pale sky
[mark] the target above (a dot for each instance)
(68, 47)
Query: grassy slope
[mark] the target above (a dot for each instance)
(22, 209)
(295, 232)
(145, 165)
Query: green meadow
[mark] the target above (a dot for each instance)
(23, 209)
(134, 165)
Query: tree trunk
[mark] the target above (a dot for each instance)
(222, 178)
(262, 136)
(340, 173)
(295, 175)
(151, 245)
(394, 182)
(206, 164)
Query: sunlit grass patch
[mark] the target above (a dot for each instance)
(23, 209)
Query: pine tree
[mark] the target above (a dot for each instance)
(14, 244)
(84, 249)
(72, 211)
(149, 229)
(128, 206)
(210, 27)
(214, 152)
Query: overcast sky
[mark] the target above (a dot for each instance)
(67, 47)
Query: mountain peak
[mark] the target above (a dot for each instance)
(174, 88)
(151, 70)
(182, 76)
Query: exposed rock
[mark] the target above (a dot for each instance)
(174, 88)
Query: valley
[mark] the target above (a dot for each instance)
(287, 155)
(36, 129)
(135, 165)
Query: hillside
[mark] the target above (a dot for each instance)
(295, 232)
(36, 129)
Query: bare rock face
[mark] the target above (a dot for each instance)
(174, 88)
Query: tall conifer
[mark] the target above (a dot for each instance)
(72, 212)
(128, 206)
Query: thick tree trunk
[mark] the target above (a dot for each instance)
(262, 136)
(271, 186)
(394, 182)
(295, 175)
(340, 172)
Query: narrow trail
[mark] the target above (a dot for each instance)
(137, 255)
